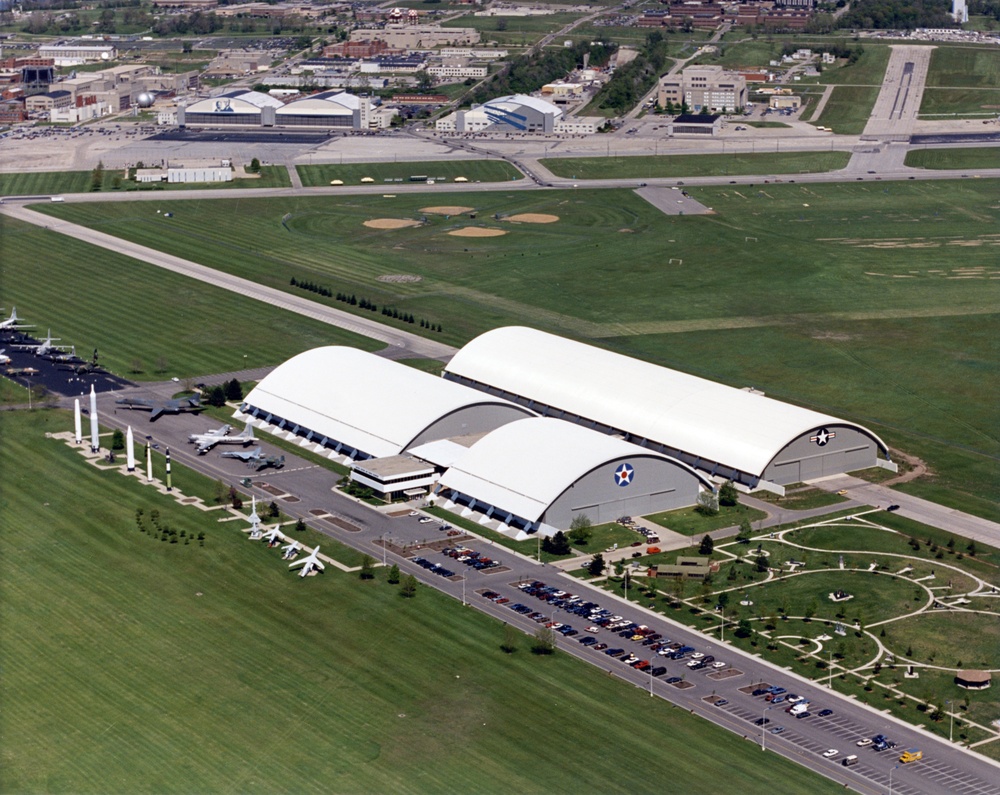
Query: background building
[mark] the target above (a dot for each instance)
(704, 87)
(515, 113)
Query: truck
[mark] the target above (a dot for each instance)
(911, 755)
(799, 708)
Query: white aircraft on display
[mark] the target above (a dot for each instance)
(11, 323)
(291, 550)
(273, 537)
(309, 564)
(44, 347)
(207, 441)
(4, 358)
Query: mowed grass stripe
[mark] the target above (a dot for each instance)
(194, 327)
(124, 679)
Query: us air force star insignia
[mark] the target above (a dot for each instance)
(623, 475)
(822, 437)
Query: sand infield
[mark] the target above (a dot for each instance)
(447, 210)
(391, 223)
(533, 218)
(477, 231)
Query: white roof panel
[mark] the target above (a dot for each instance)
(525, 465)
(373, 404)
(720, 423)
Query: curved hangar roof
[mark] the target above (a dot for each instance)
(326, 103)
(716, 422)
(524, 466)
(372, 404)
(235, 102)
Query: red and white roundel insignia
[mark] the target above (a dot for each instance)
(822, 437)
(623, 475)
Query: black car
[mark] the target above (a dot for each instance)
(825, 712)
(761, 721)
(658, 671)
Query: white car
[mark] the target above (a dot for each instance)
(864, 742)
(426, 520)
(794, 699)
(718, 664)
(830, 753)
(414, 513)
(697, 655)
(595, 630)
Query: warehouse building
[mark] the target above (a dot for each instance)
(329, 109)
(237, 108)
(537, 475)
(517, 113)
(709, 88)
(724, 432)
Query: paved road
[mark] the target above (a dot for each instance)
(403, 341)
(945, 768)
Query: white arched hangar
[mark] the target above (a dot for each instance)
(727, 433)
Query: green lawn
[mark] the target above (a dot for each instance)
(973, 103)
(947, 638)
(801, 499)
(193, 327)
(352, 173)
(874, 321)
(695, 165)
(964, 67)
(868, 70)
(136, 665)
(848, 109)
(971, 158)
(689, 522)
(57, 182)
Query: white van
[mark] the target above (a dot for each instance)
(850, 760)
(799, 708)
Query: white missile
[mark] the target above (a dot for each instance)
(149, 463)
(130, 450)
(77, 422)
(95, 442)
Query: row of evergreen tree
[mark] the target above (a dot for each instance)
(364, 303)
(408, 317)
(312, 287)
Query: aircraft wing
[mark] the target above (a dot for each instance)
(204, 445)
(156, 412)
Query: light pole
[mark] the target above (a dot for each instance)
(464, 578)
(722, 626)
(383, 549)
(830, 682)
(951, 722)
(650, 678)
(763, 729)
(890, 777)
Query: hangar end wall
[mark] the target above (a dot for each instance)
(478, 418)
(829, 450)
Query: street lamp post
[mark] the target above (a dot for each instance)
(722, 626)
(890, 777)
(951, 722)
(383, 549)
(763, 729)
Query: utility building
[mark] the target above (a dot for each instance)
(724, 432)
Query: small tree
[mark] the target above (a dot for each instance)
(234, 390)
(509, 644)
(743, 536)
(254, 166)
(393, 577)
(728, 495)
(221, 492)
(761, 563)
(161, 364)
(580, 530)
(596, 565)
(97, 177)
(118, 440)
(707, 545)
(273, 512)
(216, 396)
(545, 641)
(723, 600)
(135, 366)
(557, 544)
(235, 499)
(367, 568)
(744, 629)
(708, 503)
(409, 587)
(300, 526)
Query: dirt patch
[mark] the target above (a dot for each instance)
(447, 210)
(391, 223)
(398, 278)
(477, 231)
(397, 514)
(350, 528)
(533, 218)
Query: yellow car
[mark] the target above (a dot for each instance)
(912, 755)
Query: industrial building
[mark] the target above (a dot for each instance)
(75, 54)
(724, 432)
(704, 87)
(329, 109)
(515, 113)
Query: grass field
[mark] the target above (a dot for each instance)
(689, 522)
(848, 109)
(352, 174)
(135, 665)
(880, 317)
(195, 328)
(56, 182)
(964, 67)
(972, 158)
(974, 103)
(695, 165)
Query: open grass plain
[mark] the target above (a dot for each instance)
(872, 301)
(353, 173)
(45, 183)
(641, 167)
(138, 665)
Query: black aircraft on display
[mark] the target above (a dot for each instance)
(160, 407)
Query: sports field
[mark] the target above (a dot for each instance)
(140, 317)
(136, 665)
(353, 173)
(695, 165)
(886, 311)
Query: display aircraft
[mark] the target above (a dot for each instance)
(43, 348)
(290, 550)
(11, 323)
(257, 457)
(309, 564)
(273, 461)
(273, 537)
(207, 441)
(222, 430)
(4, 358)
(159, 407)
(61, 358)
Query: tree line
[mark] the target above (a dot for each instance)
(629, 84)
